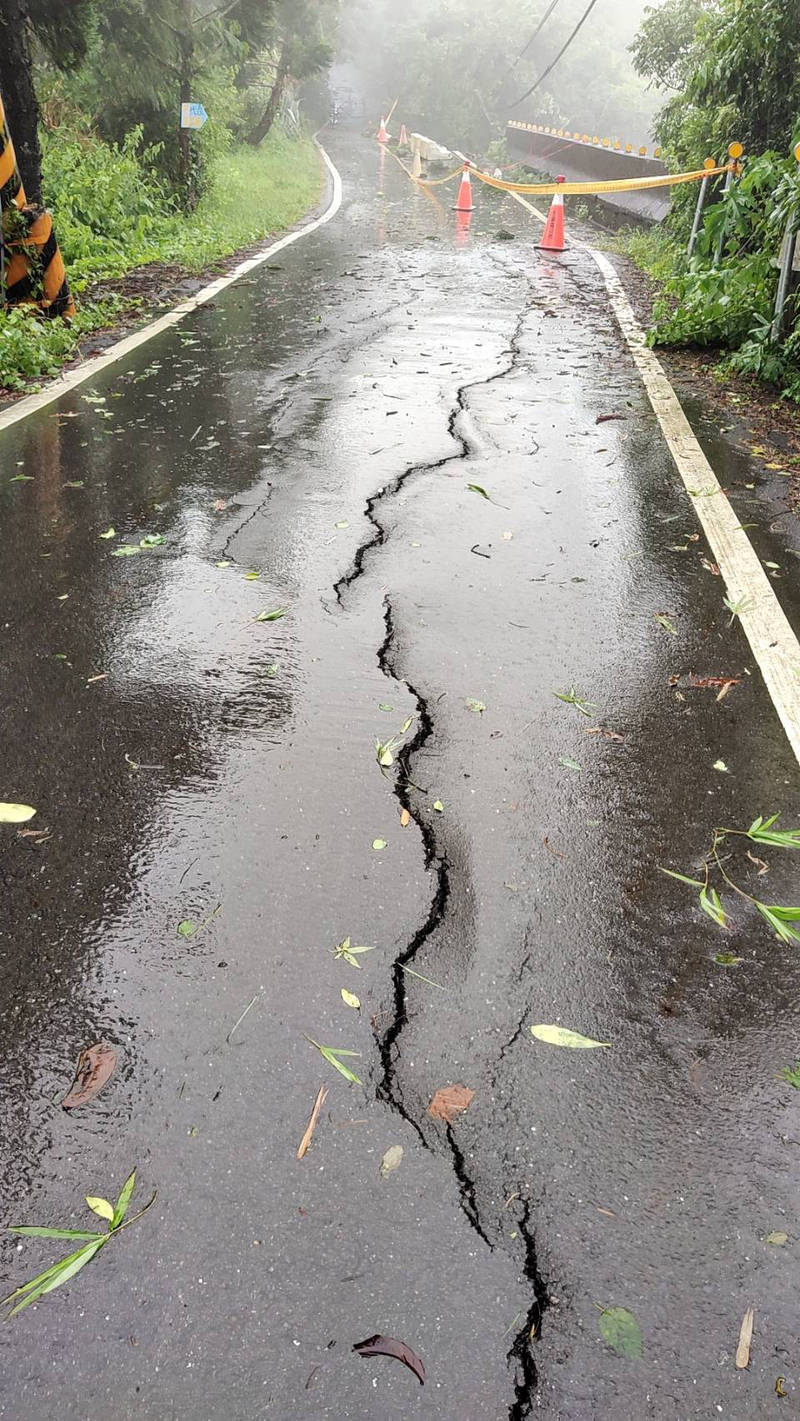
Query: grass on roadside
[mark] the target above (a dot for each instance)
(112, 218)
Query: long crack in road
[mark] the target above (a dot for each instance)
(398, 439)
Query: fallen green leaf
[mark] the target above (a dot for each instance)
(15, 813)
(664, 621)
(569, 764)
(438, 806)
(476, 488)
(109, 533)
(350, 954)
(727, 959)
(721, 766)
(621, 1331)
(100, 1207)
(187, 928)
(332, 1054)
(670, 872)
(562, 1036)
(152, 540)
(778, 1239)
(350, 999)
(127, 550)
(791, 1075)
(477, 706)
(271, 616)
(379, 844)
(571, 698)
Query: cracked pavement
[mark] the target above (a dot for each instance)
(319, 426)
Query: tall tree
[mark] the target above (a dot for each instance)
(302, 42)
(155, 56)
(60, 27)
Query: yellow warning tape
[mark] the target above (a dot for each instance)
(618, 185)
(435, 182)
(425, 182)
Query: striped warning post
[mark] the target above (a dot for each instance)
(33, 265)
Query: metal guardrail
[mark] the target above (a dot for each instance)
(581, 158)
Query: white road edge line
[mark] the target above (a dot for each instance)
(89, 368)
(765, 624)
(772, 640)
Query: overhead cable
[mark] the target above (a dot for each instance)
(545, 17)
(584, 17)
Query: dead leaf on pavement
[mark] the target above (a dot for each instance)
(318, 1104)
(762, 866)
(405, 818)
(95, 1066)
(745, 1340)
(391, 1160)
(714, 680)
(604, 418)
(379, 1346)
(601, 730)
(449, 1101)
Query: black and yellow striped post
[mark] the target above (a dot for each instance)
(32, 266)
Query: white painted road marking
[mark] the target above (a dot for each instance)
(763, 620)
(89, 368)
(765, 624)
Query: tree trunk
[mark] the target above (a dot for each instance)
(19, 95)
(269, 115)
(186, 44)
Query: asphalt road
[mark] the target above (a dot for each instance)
(308, 443)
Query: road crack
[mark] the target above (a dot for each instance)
(520, 1355)
(459, 411)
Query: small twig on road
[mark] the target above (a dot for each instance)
(250, 1004)
(318, 1104)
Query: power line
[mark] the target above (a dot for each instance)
(584, 17)
(545, 17)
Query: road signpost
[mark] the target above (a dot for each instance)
(193, 116)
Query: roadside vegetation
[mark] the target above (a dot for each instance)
(732, 70)
(93, 91)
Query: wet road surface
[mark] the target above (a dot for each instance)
(320, 426)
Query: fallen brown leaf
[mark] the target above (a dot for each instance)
(761, 865)
(405, 818)
(601, 730)
(449, 1101)
(608, 1212)
(604, 418)
(745, 1340)
(714, 681)
(95, 1065)
(711, 567)
(379, 1346)
(318, 1104)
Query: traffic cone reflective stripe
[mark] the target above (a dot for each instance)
(553, 234)
(465, 203)
(383, 136)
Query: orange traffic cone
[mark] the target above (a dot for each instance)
(403, 140)
(465, 203)
(553, 234)
(416, 164)
(383, 136)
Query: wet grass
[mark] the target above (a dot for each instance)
(254, 193)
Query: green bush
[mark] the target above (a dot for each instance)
(730, 305)
(113, 213)
(108, 206)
